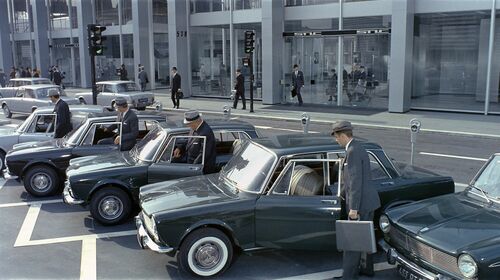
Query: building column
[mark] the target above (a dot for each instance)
(272, 48)
(140, 29)
(401, 62)
(6, 62)
(178, 46)
(85, 17)
(41, 39)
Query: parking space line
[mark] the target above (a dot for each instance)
(88, 265)
(334, 273)
(80, 238)
(453, 156)
(28, 226)
(29, 203)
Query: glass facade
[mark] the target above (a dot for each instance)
(205, 6)
(162, 71)
(59, 15)
(24, 54)
(106, 12)
(22, 16)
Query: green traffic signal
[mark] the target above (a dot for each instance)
(95, 39)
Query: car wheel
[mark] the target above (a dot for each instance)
(2, 160)
(110, 206)
(41, 181)
(82, 101)
(6, 111)
(205, 253)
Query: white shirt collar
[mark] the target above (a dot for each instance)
(199, 126)
(58, 100)
(347, 146)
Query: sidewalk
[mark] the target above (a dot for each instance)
(443, 122)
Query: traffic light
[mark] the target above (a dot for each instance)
(249, 35)
(96, 40)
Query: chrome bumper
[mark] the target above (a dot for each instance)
(395, 258)
(9, 176)
(145, 241)
(68, 198)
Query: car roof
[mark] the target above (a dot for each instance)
(29, 79)
(215, 124)
(287, 144)
(111, 115)
(74, 109)
(115, 82)
(34, 87)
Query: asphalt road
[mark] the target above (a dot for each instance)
(44, 238)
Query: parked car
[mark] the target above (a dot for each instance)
(455, 236)
(108, 91)
(110, 184)
(42, 166)
(11, 88)
(280, 192)
(29, 98)
(39, 126)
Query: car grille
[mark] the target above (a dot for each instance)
(434, 257)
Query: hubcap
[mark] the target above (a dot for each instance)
(207, 256)
(41, 181)
(110, 207)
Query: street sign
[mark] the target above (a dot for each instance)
(374, 31)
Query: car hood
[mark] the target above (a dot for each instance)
(7, 130)
(471, 223)
(100, 163)
(70, 100)
(36, 147)
(183, 193)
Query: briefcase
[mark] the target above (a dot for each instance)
(357, 236)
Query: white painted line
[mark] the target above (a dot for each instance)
(79, 238)
(284, 129)
(88, 265)
(28, 226)
(28, 203)
(334, 273)
(453, 156)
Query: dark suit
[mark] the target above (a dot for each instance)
(130, 130)
(176, 85)
(63, 119)
(240, 91)
(297, 83)
(360, 195)
(193, 150)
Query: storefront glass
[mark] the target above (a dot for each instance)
(61, 56)
(23, 52)
(450, 62)
(162, 73)
(107, 64)
(205, 6)
(247, 4)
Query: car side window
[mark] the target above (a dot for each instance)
(99, 88)
(20, 93)
(43, 123)
(108, 88)
(145, 126)
(225, 141)
(29, 94)
(101, 134)
(196, 144)
(11, 84)
(376, 170)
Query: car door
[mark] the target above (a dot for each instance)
(98, 139)
(14, 103)
(101, 96)
(106, 96)
(166, 167)
(287, 218)
(41, 128)
(9, 90)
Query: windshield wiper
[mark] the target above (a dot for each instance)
(484, 193)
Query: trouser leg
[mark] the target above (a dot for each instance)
(299, 97)
(178, 102)
(172, 96)
(235, 102)
(243, 100)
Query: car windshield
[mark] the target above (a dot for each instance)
(145, 150)
(248, 168)
(41, 82)
(44, 92)
(126, 87)
(489, 179)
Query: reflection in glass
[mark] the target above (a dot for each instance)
(106, 12)
(149, 145)
(489, 180)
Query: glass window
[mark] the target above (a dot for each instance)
(22, 16)
(107, 64)
(247, 4)
(126, 87)
(289, 3)
(106, 12)
(303, 178)
(160, 11)
(283, 184)
(108, 88)
(376, 170)
(148, 146)
(42, 124)
(162, 71)
(28, 93)
(101, 131)
(204, 6)
(23, 52)
(489, 180)
(20, 93)
(59, 15)
(62, 58)
(127, 11)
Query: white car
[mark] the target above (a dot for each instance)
(13, 85)
(108, 91)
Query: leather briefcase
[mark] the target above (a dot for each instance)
(357, 236)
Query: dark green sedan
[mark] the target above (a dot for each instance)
(280, 192)
(110, 183)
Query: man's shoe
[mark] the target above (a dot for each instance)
(244, 108)
(366, 272)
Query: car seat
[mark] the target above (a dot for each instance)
(305, 182)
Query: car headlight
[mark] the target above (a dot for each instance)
(467, 266)
(384, 224)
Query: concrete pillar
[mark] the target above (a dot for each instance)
(40, 35)
(178, 42)
(140, 28)
(401, 62)
(6, 62)
(272, 48)
(85, 17)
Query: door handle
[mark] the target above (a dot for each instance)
(387, 184)
(194, 168)
(329, 201)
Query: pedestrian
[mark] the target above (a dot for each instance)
(176, 88)
(298, 82)
(13, 72)
(361, 198)
(332, 86)
(3, 78)
(222, 79)
(58, 77)
(192, 151)
(36, 73)
(143, 78)
(129, 127)
(51, 73)
(240, 90)
(123, 73)
(63, 116)
(23, 72)
(28, 72)
(203, 78)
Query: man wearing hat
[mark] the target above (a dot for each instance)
(63, 116)
(361, 198)
(193, 150)
(130, 126)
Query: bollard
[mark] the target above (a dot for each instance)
(415, 125)
(305, 119)
(227, 112)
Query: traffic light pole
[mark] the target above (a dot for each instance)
(92, 62)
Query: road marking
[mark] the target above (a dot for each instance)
(283, 129)
(453, 156)
(29, 203)
(79, 238)
(28, 226)
(334, 273)
(88, 265)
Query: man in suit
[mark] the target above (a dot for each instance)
(361, 198)
(192, 151)
(130, 127)
(298, 82)
(176, 86)
(240, 89)
(143, 78)
(63, 116)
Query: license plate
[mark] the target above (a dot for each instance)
(143, 100)
(409, 274)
